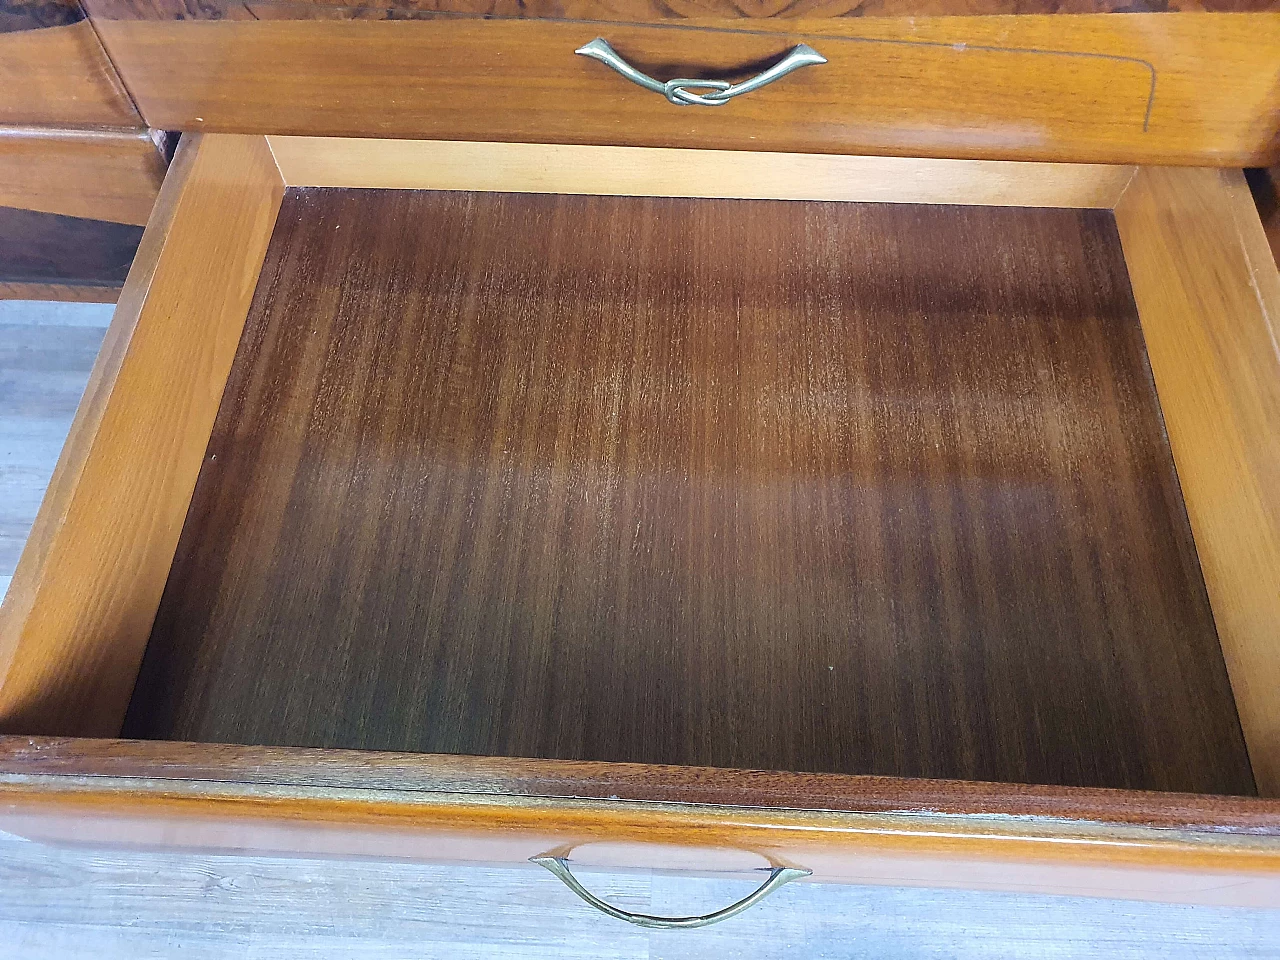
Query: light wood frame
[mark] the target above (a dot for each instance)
(76, 621)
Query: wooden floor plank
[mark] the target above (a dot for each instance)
(46, 353)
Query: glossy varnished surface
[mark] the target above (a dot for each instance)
(74, 623)
(1180, 88)
(93, 174)
(833, 487)
(53, 70)
(124, 766)
(1212, 340)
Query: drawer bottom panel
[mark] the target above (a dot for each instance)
(812, 486)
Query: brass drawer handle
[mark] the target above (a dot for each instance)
(777, 877)
(719, 92)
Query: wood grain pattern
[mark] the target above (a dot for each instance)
(342, 804)
(655, 172)
(644, 10)
(1212, 337)
(1152, 88)
(53, 69)
(845, 498)
(44, 248)
(58, 291)
(75, 620)
(1202, 850)
(94, 174)
(335, 770)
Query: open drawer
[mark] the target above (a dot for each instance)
(491, 501)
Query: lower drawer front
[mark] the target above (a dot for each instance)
(1105, 88)
(780, 351)
(1175, 848)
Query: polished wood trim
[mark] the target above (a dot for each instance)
(1148, 88)
(1208, 294)
(837, 848)
(95, 174)
(159, 760)
(75, 621)
(219, 800)
(54, 71)
(655, 172)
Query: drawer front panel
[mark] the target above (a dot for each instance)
(946, 834)
(1107, 88)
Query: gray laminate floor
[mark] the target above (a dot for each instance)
(131, 905)
(60, 902)
(46, 353)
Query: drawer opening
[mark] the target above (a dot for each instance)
(767, 482)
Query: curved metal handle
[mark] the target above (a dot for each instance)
(777, 877)
(719, 92)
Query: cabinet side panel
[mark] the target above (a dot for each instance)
(1208, 295)
(75, 620)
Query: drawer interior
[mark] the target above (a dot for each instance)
(816, 486)
(956, 469)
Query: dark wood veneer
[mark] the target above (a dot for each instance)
(639, 11)
(53, 249)
(810, 486)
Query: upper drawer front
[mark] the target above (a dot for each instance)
(1102, 87)
(53, 71)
